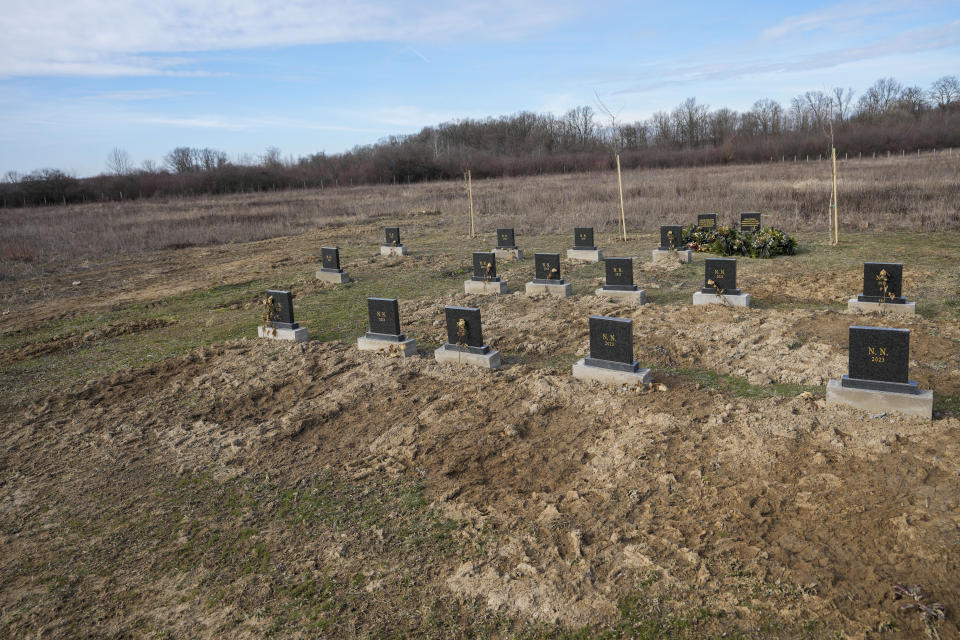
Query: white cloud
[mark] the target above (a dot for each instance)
(123, 38)
(843, 18)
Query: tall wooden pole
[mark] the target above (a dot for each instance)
(836, 213)
(473, 230)
(623, 219)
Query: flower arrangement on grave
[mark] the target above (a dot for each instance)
(726, 241)
(271, 309)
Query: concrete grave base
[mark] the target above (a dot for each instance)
(335, 278)
(685, 255)
(295, 335)
(502, 254)
(399, 250)
(564, 290)
(489, 360)
(584, 371)
(907, 308)
(585, 255)
(477, 286)
(404, 349)
(920, 404)
(636, 297)
(742, 300)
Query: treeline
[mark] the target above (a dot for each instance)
(887, 117)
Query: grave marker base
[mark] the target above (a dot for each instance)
(336, 277)
(294, 335)
(636, 297)
(907, 308)
(515, 254)
(584, 371)
(585, 255)
(683, 255)
(741, 300)
(489, 360)
(914, 404)
(561, 290)
(484, 286)
(402, 348)
(390, 250)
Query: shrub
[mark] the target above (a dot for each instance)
(725, 241)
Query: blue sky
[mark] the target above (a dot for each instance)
(80, 78)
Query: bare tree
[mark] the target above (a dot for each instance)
(841, 103)
(149, 166)
(880, 99)
(690, 122)
(271, 158)
(615, 135)
(817, 105)
(180, 160)
(945, 92)
(913, 101)
(119, 162)
(768, 116)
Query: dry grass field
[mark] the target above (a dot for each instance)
(165, 474)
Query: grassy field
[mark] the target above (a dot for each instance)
(167, 475)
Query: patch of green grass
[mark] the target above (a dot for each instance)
(737, 386)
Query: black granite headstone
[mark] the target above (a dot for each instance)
(506, 239)
(384, 316)
(619, 275)
(722, 272)
(750, 222)
(485, 267)
(392, 235)
(548, 268)
(707, 220)
(583, 238)
(671, 237)
(879, 360)
(882, 281)
(330, 257)
(611, 344)
(464, 332)
(281, 314)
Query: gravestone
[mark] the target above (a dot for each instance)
(584, 248)
(507, 244)
(392, 245)
(547, 277)
(750, 222)
(720, 284)
(879, 361)
(278, 318)
(619, 281)
(882, 290)
(611, 353)
(707, 221)
(485, 278)
(384, 333)
(671, 246)
(583, 238)
(465, 340)
(330, 270)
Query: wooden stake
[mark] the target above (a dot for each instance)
(623, 219)
(836, 213)
(473, 231)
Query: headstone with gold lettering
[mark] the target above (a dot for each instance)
(878, 374)
(611, 354)
(619, 282)
(278, 322)
(720, 284)
(707, 220)
(749, 222)
(485, 279)
(384, 334)
(391, 243)
(671, 246)
(465, 343)
(507, 244)
(882, 290)
(547, 278)
(584, 248)
(330, 270)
